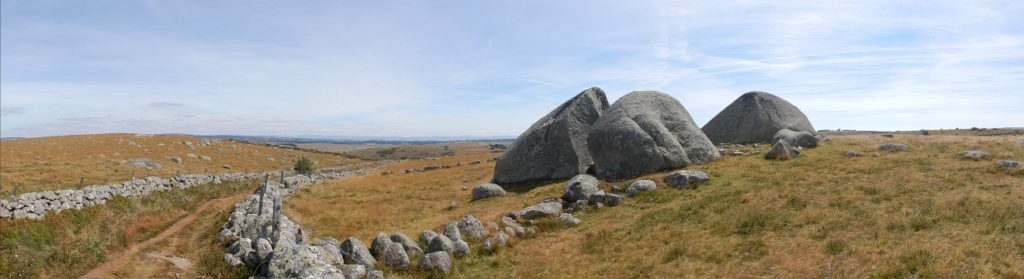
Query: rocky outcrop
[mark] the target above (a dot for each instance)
(554, 147)
(646, 131)
(755, 117)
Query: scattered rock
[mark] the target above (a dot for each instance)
(801, 138)
(685, 179)
(452, 205)
(436, 261)
(440, 243)
(755, 117)
(782, 151)
(646, 131)
(544, 209)
(375, 274)
(380, 242)
(411, 248)
(554, 147)
(394, 257)
(640, 186)
(975, 155)
(852, 153)
(1008, 164)
(451, 230)
(228, 167)
(144, 163)
(892, 147)
(355, 252)
(471, 229)
(175, 159)
(570, 221)
(205, 158)
(580, 187)
(487, 190)
(922, 132)
(460, 248)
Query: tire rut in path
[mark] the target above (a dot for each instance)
(107, 268)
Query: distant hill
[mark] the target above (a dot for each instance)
(295, 140)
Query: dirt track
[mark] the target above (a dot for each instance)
(108, 268)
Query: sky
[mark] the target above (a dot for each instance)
(492, 68)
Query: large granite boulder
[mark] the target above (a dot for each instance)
(755, 117)
(646, 131)
(555, 147)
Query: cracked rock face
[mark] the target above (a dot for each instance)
(647, 131)
(755, 117)
(554, 147)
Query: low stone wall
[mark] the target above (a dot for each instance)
(260, 237)
(36, 205)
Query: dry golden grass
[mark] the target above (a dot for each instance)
(362, 206)
(920, 213)
(52, 163)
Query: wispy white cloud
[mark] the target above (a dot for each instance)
(492, 68)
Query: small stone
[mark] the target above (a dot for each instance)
(852, 153)
(375, 274)
(460, 249)
(892, 147)
(1008, 164)
(436, 261)
(640, 186)
(685, 179)
(487, 190)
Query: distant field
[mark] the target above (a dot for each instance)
(394, 151)
(52, 163)
(924, 212)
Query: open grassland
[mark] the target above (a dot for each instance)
(393, 151)
(362, 206)
(70, 243)
(52, 163)
(924, 212)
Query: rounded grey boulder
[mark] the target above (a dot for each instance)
(380, 242)
(471, 229)
(394, 257)
(355, 252)
(554, 147)
(436, 261)
(646, 131)
(755, 117)
(782, 151)
(411, 248)
(801, 138)
(440, 243)
(580, 187)
(640, 186)
(487, 190)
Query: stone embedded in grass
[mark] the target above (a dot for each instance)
(640, 186)
(685, 179)
(782, 151)
(380, 242)
(580, 187)
(426, 236)
(353, 270)
(175, 159)
(471, 229)
(411, 248)
(801, 138)
(570, 221)
(975, 155)
(375, 274)
(440, 243)
(460, 248)
(892, 147)
(544, 209)
(394, 257)
(1008, 164)
(144, 163)
(852, 153)
(451, 230)
(487, 190)
(355, 252)
(436, 261)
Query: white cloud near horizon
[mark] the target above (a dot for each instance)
(491, 68)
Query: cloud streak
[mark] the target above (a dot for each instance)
(492, 68)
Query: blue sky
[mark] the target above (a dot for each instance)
(491, 68)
